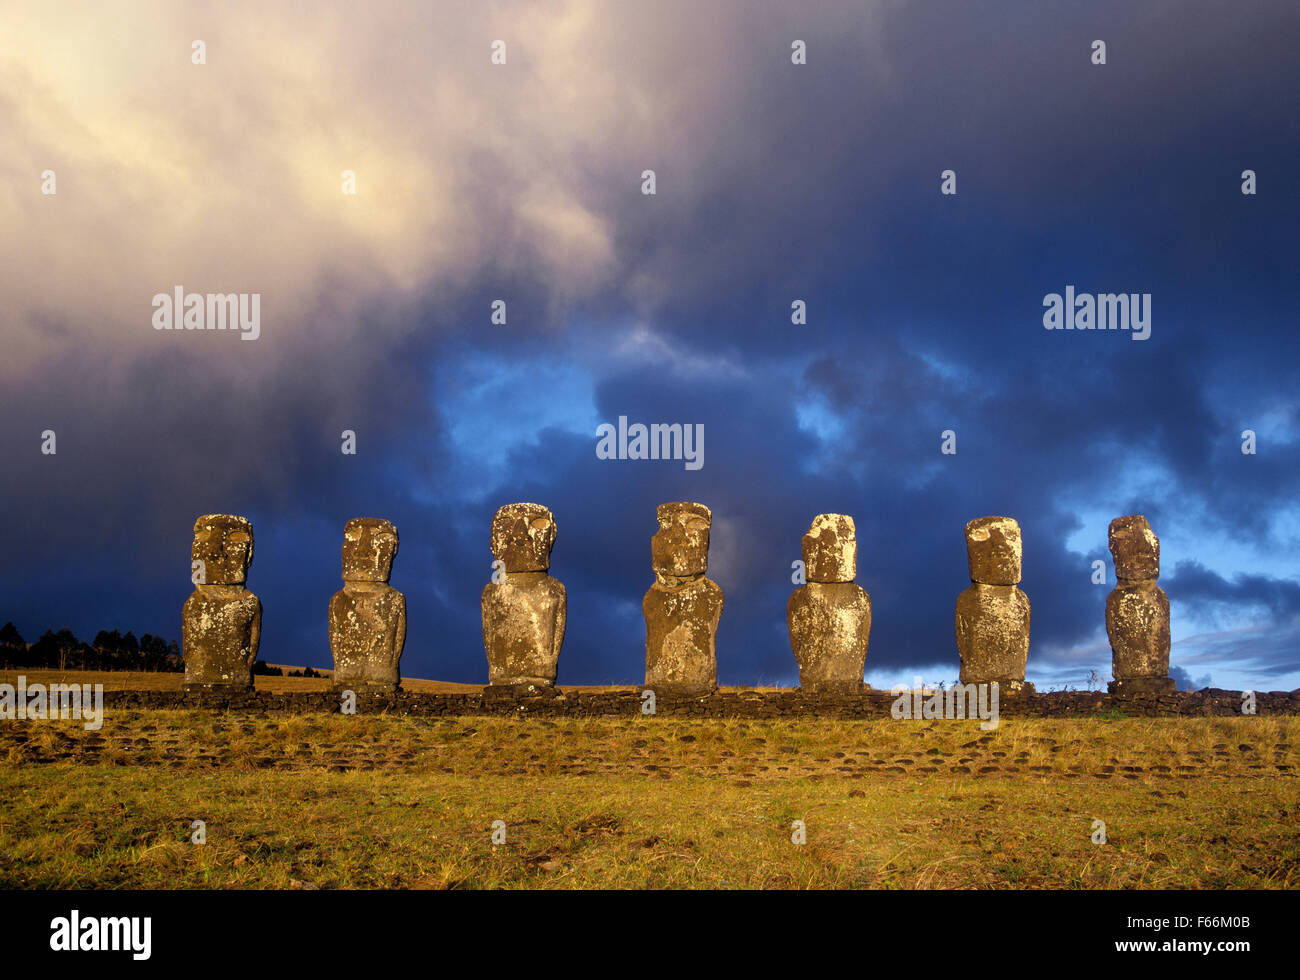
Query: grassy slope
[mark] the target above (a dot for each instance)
(333, 801)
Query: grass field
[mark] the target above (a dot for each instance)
(322, 801)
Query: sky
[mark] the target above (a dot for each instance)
(775, 182)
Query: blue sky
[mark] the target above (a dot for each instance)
(775, 182)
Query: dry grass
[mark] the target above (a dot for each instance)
(373, 801)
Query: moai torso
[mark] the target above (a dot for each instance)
(221, 621)
(683, 607)
(681, 624)
(992, 618)
(1137, 611)
(524, 609)
(829, 618)
(367, 617)
(993, 634)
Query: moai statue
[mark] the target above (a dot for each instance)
(682, 607)
(830, 617)
(1137, 611)
(367, 617)
(524, 609)
(993, 614)
(221, 621)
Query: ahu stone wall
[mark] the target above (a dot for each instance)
(629, 703)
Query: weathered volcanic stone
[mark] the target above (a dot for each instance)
(524, 613)
(523, 536)
(993, 550)
(1137, 622)
(830, 618)
(1135, 549)
(367, 617)
(221, 621)
(830, 549)
(1137, 611)
(682, 608)
(830, 625)
(993, 636)
(681, 545)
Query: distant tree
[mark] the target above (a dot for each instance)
(44, 652)
(175, 661)
(67, 644)
(85, 656)
(110, 651)
(13, 651)
(102, 647)
(153, 653)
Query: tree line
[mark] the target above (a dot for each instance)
(110, 650)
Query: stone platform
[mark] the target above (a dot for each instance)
(579, 702)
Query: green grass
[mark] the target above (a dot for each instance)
(364, 802)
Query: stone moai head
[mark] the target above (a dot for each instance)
(993, 550)
(523, 536)
(681, 545)
(830, 549)
(224, 543)
(369, 547)
(1135, 548)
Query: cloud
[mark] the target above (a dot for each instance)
(1210, 595)
(775, 182)
(1185, 682)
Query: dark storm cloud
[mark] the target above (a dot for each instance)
(775, 183)
(1185, 681)
(1212, 594)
